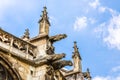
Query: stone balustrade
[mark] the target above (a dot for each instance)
(17, 43)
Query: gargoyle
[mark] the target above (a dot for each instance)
(60, 64)
(55, 57)
(57, 37)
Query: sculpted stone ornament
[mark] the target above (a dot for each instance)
(60, 64)
(16, 42)
(50, 58)
(87, 74)
(5, 38)
(50, 48)
(55, 57)
(50, 73)
(26, 35)
(57, 37)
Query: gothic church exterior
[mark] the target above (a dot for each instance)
(35, 58)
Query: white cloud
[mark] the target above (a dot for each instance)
(113, 29)
(106, 78)
(102, 9)
(113, 12)
(100, 31)
(109, 31)
(80, 23)
(94, 4)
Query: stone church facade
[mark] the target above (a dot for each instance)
(35, 58)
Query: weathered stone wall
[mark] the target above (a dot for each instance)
(26, 71)
(41, 46)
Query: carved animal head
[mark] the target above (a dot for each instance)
(61, 63)
(63, 55)
(70, 63)
(64, 35)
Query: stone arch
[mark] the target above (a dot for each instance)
(9, 72)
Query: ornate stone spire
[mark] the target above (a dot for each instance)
(87, 74)
(44, 22)
(76, 59)
(76, 52)
(26, 35)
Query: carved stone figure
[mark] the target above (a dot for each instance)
(50, 73)
(50, 48)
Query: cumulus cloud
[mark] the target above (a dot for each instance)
(94, 4)
(109, 31)
(80, 23)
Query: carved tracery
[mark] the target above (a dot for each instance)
(16, 42)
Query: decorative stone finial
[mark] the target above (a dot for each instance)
(76, 51)
(44, 22)
(88, 74)
(88, 70)
(26, 35)
(75, 47)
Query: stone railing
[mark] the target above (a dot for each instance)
(17, 43)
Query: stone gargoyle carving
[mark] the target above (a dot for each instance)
(55, 57)
(61, 63)
(57, 37)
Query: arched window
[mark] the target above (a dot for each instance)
(4, 74)
(7, 72)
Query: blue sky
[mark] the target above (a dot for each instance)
(94, 24)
